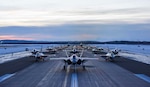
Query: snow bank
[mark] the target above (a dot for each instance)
(12, 56)
(136, 57)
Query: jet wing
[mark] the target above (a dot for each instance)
(86, 58)
(60, 58)
(103, 55)
(44, 56)
(110, 55)
(73, 50)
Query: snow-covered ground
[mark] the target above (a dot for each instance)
(13, 56)
(139, 53)
(136, 57)
(10, 52)
(137, 49)
(135, 52)
(11, 48)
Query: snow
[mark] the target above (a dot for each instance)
(139, 53)
(10, 52)
(13, 56)
(11, 48)
(136, 57)
(137, 49)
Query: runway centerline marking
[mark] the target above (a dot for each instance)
(74, 80)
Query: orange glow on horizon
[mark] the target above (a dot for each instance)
(13, 37)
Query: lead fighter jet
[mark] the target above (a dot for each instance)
(74, 60)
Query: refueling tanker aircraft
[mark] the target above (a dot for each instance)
(74, 60)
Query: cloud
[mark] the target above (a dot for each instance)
(14, 37)
(27, 37)
(111, 11)
(40, 36)
(73, 32)
(74, 37)
(46, 17)
(70, 38)
(84, 37)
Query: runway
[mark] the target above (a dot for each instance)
(50, 73)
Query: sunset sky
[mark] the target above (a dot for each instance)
(63, 20)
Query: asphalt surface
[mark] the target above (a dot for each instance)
(133, 66)
(97, 73)
(15, 65)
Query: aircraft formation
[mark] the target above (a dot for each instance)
(74, 54)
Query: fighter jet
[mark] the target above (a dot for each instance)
(98, 50)
(40, 56)
(51, 50)
(111, 55)
(74, 60)
(74, 50)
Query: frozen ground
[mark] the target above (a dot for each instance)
(139, 53)
(12, 56)
(137, 49)
(11, 48)
(10, 52)
(136, 57)
(135, 52)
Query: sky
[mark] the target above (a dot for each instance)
(64, 20)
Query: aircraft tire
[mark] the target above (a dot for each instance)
(83, 67)
(64, 67)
